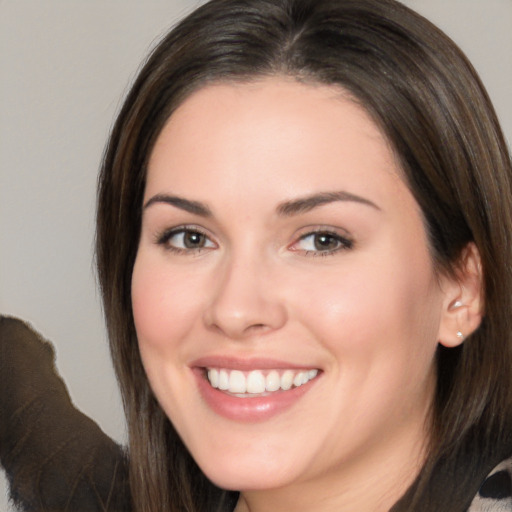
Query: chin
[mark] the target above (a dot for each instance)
(249, 482)
(246, 475)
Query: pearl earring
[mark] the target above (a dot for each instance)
(460, 335)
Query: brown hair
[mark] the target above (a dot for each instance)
(429, 102)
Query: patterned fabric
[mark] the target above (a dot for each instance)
(495, 494)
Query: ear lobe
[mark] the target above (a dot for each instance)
(464, 299)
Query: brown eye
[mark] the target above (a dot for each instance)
(322, 243)
(325, 242)
(185, 240)
(193, 240)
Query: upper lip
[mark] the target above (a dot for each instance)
(249, 364)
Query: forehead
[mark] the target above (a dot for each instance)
(274, 135)
(273, 100)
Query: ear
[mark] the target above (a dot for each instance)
(463, 303)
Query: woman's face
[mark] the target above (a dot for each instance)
(284, 297)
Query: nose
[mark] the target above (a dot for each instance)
(245, 301)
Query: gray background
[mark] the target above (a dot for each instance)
(64, 68)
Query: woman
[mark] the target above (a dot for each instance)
(303, 244)
(258, 136)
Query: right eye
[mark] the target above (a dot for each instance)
(183, 240)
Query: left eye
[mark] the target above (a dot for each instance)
(322, 242)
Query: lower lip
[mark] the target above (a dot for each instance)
(251, 408)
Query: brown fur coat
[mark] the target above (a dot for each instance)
(55, 457)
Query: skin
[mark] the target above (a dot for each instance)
(367, 314)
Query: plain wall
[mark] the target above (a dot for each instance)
(64, 68)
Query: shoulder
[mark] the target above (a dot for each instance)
(495, 494)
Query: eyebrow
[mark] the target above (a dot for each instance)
(285, 209)
(305, 204)
(195, 207)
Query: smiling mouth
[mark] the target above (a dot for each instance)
(257, 382)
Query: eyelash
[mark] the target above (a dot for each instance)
(164, 239)
(343, 242)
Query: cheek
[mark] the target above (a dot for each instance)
(164, 308)
(367, 310)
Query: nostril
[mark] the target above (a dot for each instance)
(256, 327)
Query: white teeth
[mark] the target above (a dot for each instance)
(223, 380)
(273, 381)
(213, 377)
(237, 382)
(287, 380)
(301, 378)
(297, 380)
(255, 382)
